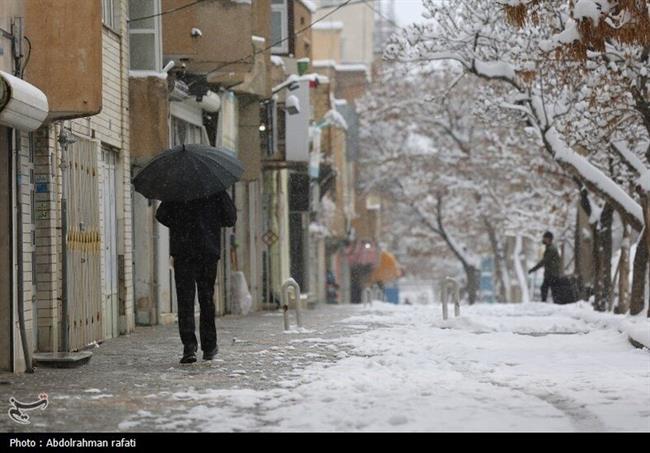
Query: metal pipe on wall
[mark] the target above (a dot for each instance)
(65, 345)
(20, 280)
(155, 292)
(10, 180)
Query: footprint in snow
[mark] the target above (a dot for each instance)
(396, 420)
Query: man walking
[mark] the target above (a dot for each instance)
(195, 245)
(551, 263)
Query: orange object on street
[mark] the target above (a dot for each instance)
(388, 269)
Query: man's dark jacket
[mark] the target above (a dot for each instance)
(195, 226)
(551, 262)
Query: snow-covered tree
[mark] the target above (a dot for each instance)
(467, 180)
(576, 71)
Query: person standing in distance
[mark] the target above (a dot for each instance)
(551, 262)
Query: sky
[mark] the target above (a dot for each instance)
(408, 11)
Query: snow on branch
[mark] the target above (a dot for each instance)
(495, 70)
(595, 177)
(633, 161)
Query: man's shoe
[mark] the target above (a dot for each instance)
(209, 355)
(189, 356)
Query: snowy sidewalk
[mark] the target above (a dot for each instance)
(497, 367)
(535, 367)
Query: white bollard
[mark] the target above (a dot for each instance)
(457, 300)
(443, 299)
(290, 283)
(450, 289)
(379, 294)
(285, 308)
(367, 297)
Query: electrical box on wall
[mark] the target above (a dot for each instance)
(297, 123)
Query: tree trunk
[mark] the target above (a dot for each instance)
(519, 270)
(498, 277)
(471, 271)
(637, 297)
(603, 258)
(637, 306)
(598, 266)
(473, 280)
(577, 255)
(506, 275)
(624, 273)
(586, 281)
(607, 219)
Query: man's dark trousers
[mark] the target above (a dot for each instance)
(192, 273)
(549, 282)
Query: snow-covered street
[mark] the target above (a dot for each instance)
(341, 216)
(534, 367)
(498, 367)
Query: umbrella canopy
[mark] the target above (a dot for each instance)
(388, 269)
(188, 172)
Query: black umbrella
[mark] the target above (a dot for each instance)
(188, 172)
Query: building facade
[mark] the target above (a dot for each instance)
(83, 173)
(119, 81)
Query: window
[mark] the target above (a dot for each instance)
(186, 133)
(228, 128)
(328, 3)
(269, 136)
(110, 16)
(145, 45)
(280, 26)
(187, 125)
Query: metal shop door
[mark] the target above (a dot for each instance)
(81, 189)
(110, 303)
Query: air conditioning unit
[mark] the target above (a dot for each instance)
(22, 105)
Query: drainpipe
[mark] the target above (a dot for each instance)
(10, 188)
(20, 283)
(17, 40)
(155, 299)
(65, 346)
(64, 140)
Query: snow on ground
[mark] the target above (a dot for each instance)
(532, 367)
